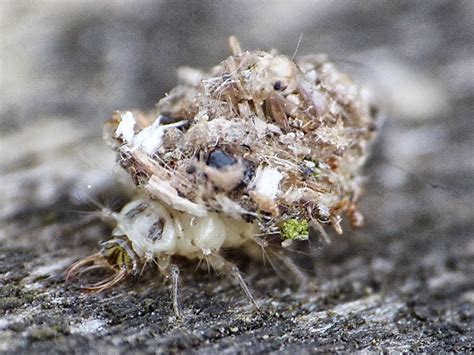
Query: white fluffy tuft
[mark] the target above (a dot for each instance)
(150, 138)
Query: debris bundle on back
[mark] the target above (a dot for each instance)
(259, 138)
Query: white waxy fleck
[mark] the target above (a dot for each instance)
(266, 182)
(126, 126)
(151, 138)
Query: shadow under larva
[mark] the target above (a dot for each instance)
(257, 153)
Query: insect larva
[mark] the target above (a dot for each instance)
(260, 145)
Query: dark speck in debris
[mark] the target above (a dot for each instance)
(219, 159)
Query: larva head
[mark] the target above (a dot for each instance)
(119, 255)
(143, 230)
(114, 255)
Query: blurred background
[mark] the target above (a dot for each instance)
(84, 59)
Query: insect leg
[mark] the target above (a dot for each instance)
(302, 279)
(234, 271)
(220, 263)
(174, 272)
(267, 256)
(171, 271)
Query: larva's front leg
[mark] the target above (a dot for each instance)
(172, 272)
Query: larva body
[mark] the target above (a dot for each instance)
(153, 229)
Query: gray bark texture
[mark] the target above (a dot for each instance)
(404, 282)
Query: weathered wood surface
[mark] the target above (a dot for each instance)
(404, 282)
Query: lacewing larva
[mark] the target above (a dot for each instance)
(260, 145)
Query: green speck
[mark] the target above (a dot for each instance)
(295, 229)
(313, 171)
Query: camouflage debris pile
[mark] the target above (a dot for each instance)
(260, 138)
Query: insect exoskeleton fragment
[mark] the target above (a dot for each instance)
(260, 145)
